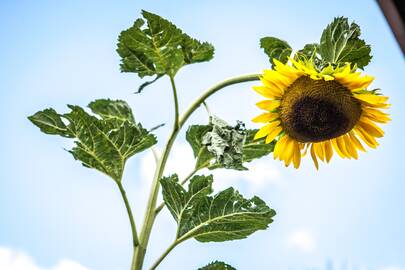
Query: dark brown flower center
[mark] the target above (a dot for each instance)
(318, 110)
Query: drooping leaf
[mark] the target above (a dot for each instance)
(103, 143)
(222, 217)
(197, 137)
(276, 49)
(155, 46)
(225, 143)
(340, 43)
(217, 265)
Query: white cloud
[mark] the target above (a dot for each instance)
(181, 161)
(15, 260)
(261, 173)
(302, 240)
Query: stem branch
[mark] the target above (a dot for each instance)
(161, 258)
(178, 123)
(176, 104)
(135, 239)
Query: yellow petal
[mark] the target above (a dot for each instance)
(369, 140)
(356, 141)
(265, 130)
(337, 148)
(342, 146)
(370, 128)
(265, 117)
(279, 147)
(375, 112)
(350, 147)
(277, 78)
(275, 89)
(265, 91)
(328, 150)
(272, 135)
(378, 119)
(319, 151)
(268, 105)
(297, 155)
(314, 157)
(371, 98)
(288, 153)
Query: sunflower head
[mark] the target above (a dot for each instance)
(319, 104)
(318, 110)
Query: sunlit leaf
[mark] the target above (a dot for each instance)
(340, 43)
(222, 217)
(155, 46)
(103, 143)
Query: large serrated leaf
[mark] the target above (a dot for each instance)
(155, 46)
(276, 49)
(103, 144)
(340, 43)
(217, 265)
(223, 217)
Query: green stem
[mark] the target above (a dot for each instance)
(176, 104)
(135, 240)
(150, 211)
(212, 90)
(161, 258)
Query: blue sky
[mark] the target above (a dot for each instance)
(52, 209)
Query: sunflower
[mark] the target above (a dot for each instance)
(321, 111)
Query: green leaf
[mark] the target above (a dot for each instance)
(218, 145)
(194, 51)
(155, 46)
(217, 265)
(340, 43)
(253, 149)
(103, 144)
(223, 217)
(276, 49)
(194, 137)
(50, 122)
(108, 109)
(310, 52)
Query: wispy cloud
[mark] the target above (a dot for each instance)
(261, 172)
(15, 260)
(302, 240)
(391, 267)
